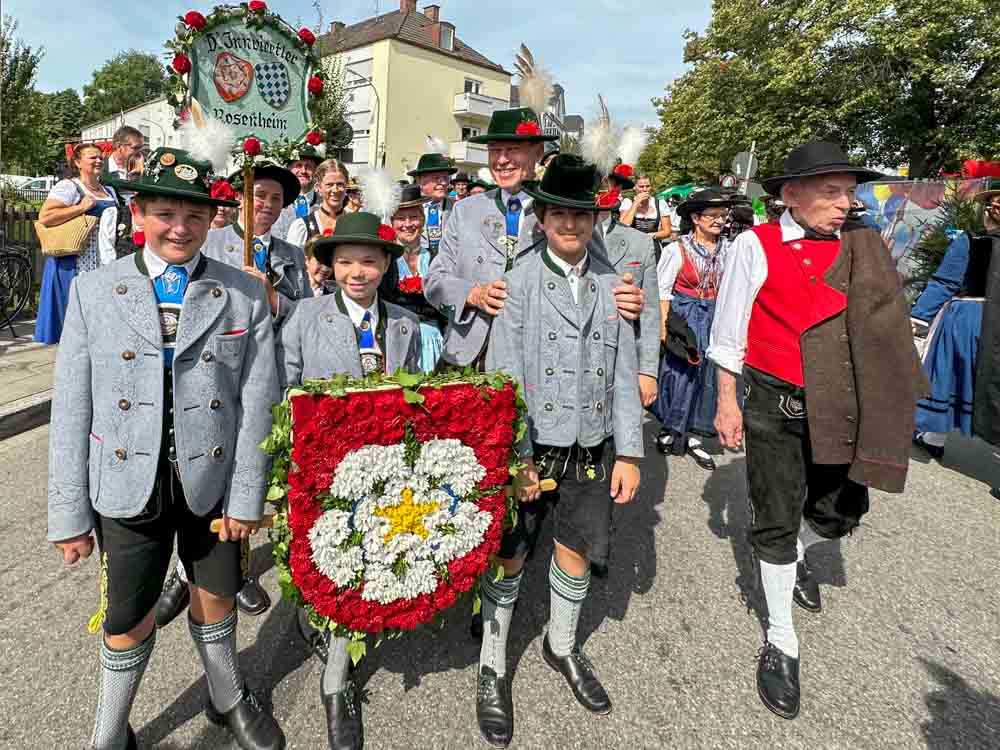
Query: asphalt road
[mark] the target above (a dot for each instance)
(906, 653)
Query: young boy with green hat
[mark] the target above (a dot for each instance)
(164, 441)
(561, 337)
(351, 332)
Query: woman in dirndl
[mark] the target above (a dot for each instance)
(689, 273)
(82, 195)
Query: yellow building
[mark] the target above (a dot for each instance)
(409, 76)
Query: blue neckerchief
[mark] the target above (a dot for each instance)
(513, 217)
(169, 288)
(301, 207)
(260, 253)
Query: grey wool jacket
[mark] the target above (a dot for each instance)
(108, 408)
(318, 340)
(576, 362)
(631, 251)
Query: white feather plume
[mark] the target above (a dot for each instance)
(633, 142)
(381, 192)
(485, 175)
(436, 145)
(601, 142)
(210, 140)
(536, 82)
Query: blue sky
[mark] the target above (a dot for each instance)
(627, 51)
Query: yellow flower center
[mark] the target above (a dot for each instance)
(407, 517)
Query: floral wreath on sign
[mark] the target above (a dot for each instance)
(391, 498)
(255, 15)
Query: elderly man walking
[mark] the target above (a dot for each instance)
(811, 311)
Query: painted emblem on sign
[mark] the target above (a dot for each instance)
(168, 159)
(186, 172)
(273, 83)
(232, 76)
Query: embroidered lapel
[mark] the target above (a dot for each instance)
(555, 287)
(134, 296)
(203, 304)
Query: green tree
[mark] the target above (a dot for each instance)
(914, 83)
(63, 120)
(126, 80)
(22, 144)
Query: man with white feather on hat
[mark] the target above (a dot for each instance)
(487, 234)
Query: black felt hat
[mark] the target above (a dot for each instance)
(268, 170)
(460, 177)
(433, 163)
(359, 228)
(816, 158)
(411, 196)
(569, 182)
(699, 200)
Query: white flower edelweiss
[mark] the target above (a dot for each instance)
(408, 521)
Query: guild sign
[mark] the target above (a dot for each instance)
(273, 83)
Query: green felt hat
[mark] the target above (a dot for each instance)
(268, 170)
(173, 173)
(303, 152)
(520, 124)
(360, 228)
(433, 163)
(992, 190)
(568, 182)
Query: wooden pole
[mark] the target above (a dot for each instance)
(248, 215)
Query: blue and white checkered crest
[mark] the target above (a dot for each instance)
(273, 83)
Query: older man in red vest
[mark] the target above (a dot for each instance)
(811, 312)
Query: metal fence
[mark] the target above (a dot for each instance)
(17, 230)
(30, 196)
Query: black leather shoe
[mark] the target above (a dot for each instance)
(778, 681)
(345, 729)
(173, 600)
(934, 451)
(579, 673)
(252, 598)
(701, 457)
(251, 726)
(806, 591)
(494, 708)
(476, 627)
(132, 743)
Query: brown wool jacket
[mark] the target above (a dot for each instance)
(862, 372)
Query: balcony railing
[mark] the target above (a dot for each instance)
(477, 105)
(469, 153)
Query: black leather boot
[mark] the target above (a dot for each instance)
(345, 729)
(251, 726)
(174, 599)
(806, 591)
(132, 743)
(579, 674)
(252, 599)
(494, 708)
(778, 681)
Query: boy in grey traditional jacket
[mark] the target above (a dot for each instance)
(561, 337)
(350, 332)
(164, 384)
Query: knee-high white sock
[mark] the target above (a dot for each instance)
(807, 538)
(337, 663)
(121, 673)
(216, 644)
(566, 600)
(779, 581)
(497, 600)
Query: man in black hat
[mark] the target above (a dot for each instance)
(303, 163)
(810, 310)
(460, 185)
(433, 174)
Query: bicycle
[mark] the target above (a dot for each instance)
(16, 283)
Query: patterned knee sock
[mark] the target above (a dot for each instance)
(779, 582)
(566, 600)
(337, 664)
(216, 644)
(497, 598)
(121, 672)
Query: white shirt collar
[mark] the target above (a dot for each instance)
(357, 312)
(155, 265)
(791, 230)
(114, 167)
(265, 238)
(520, 195)
(566, 268)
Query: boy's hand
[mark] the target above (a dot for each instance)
(647, 389)
(76, 549)
(526, 484)
(234, 530)
(625, 480)
(272, 295)
(629, 298)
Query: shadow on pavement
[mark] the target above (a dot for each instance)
(973, 458)
(961, 715)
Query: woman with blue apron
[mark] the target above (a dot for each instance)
(689, 274)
